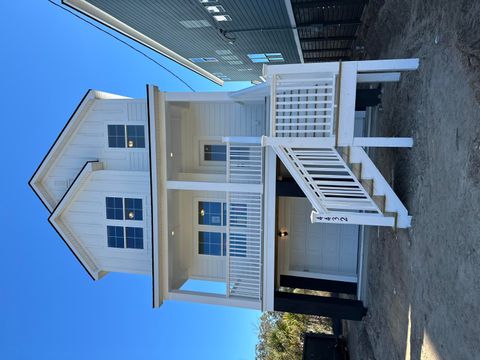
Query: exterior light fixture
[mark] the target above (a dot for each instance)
(171, 154)
(131, 215)
(283, 232)
(130, 143)
(173, 233)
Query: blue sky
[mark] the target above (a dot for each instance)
(49, 306)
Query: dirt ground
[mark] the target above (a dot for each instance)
(423, 286)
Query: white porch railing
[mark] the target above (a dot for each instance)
(303, 107)
(244, 219)
(327, 181)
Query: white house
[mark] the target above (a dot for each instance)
(254, 190)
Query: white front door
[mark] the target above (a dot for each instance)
(322, 250)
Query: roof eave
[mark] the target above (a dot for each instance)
(156, 120)
(54, 219)
(113, 23)
(35, 181)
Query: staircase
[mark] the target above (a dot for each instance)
(312, 113)
(345, 187)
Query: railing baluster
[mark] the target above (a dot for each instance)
(244, 222)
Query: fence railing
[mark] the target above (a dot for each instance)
(327, 180)
(303, 107)
(244, 220)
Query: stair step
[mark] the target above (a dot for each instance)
(356, 169)
(346, 155)
(367, 185)
(380, 201)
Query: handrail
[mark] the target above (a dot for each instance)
(327, 180)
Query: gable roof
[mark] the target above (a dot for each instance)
(68, 237)
(72, 124)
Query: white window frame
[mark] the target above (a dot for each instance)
(135, 149)
(209, 164)
(207, 228)
(125, 223)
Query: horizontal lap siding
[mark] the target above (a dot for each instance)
(89, 142)
(86, 218)
(161, 21)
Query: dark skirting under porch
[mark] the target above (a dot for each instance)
(297, 282)
(319, 305)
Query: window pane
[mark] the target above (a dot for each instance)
(224, 242)
(215, 152)
(133, 209)
(114, 208)
(209, 213)
(134, 237)
(224, 214)
(116, 136)
(209, 243)
(115, 236)
(135, 136)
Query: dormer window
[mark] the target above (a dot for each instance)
(130, 136)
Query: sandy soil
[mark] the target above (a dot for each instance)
(424, 283)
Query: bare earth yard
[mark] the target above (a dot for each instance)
(423, 286)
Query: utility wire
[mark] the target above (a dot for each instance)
(123, 42)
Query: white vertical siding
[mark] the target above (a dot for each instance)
(86, 218)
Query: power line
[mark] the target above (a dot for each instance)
(123, 42)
